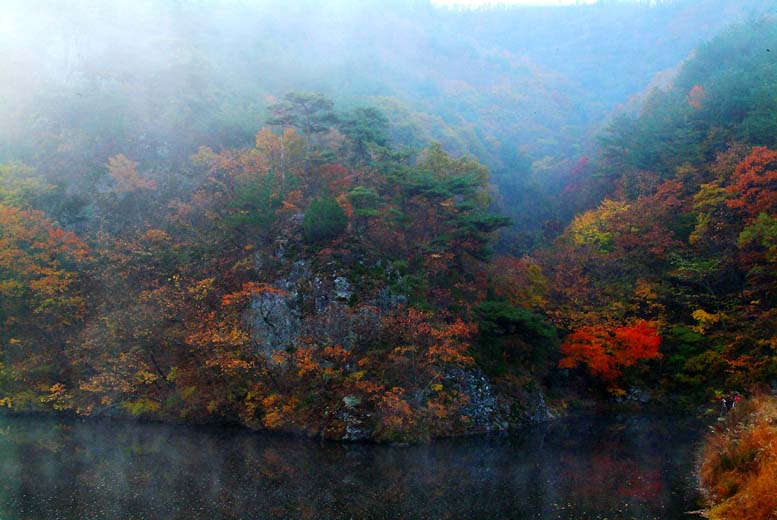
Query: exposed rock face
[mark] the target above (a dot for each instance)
(483, 407)
(314, 305)
(356, 426)
(541, 412)
(387, 299)
(275, 323)
(343, 290)
(338, 324)
(322, 303)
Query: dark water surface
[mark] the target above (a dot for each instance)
(627, 467)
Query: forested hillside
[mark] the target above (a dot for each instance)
(291, 285)
(223, 221)
(683, 243)
(522, 89)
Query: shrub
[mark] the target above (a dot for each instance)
(739, 463)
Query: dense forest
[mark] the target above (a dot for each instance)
(683, 237)
(430, 234)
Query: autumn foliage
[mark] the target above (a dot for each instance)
(697, 96)
(316, 278)
(605, 352)
(754, 183)
(40, 301)
(153, 308)
(739, 463)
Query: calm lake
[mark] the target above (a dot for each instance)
(624, 467)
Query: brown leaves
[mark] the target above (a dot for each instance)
(519, 280)
(248, 290)
(126, 178)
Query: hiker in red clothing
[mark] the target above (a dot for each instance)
(737, 398)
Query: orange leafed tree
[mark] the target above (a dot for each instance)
(606, 352)
(36, 258)
(696, 96)
(754, 183)
(125, 175)
(40, 299)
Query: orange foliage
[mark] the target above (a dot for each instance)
(282, 153)
(156, 235)
(35, 261)
(450, 345)
(739, 463)
(249, 289)
(605, 352)
(279, 410)
(696, 96)
(126, 178)
(396, 415)
(293, 201)
(306, 365)
(754, 183)
(335, 178)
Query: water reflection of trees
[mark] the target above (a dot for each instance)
(105, 470)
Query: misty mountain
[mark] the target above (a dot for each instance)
(501, 84)
(384, 221)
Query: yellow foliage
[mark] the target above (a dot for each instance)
(520, 281)
(145, 377)
(172, 375)
(58, 397)
(142, 406)
(705, 321)
(645, 301)
(357, 376)
(592, 227)
(188, 392)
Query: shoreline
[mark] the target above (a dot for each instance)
(516, 429)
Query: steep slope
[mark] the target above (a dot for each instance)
(513, 87)
(683, 241)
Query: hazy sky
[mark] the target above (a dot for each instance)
(480, 3)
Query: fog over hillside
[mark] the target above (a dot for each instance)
(386, 221)
(514, 85)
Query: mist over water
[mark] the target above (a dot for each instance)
(629, 467)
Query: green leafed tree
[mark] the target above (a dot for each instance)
(324, 220)
(311, 113)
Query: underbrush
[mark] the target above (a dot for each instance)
(739, 463)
